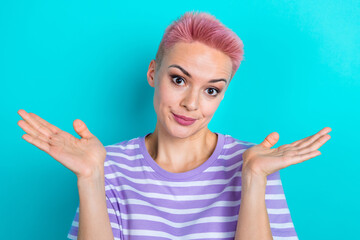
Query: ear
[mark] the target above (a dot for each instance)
(151, 73)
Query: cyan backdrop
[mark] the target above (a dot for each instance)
(65, 60)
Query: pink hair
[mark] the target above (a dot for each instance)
(205, 28)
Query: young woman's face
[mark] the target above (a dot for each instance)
(191, 83)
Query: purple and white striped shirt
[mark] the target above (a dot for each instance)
(146, 202)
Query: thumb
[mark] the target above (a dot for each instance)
(81, 129)
(270, 140)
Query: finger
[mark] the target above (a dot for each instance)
(291, 160)
(315, 145)
(270, 140)
(81, 129)
(314, 137)
(31, 131)
(37, 142)
(52, 128)
(298, 142)
(34, 123)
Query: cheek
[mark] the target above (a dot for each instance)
(164, 96)
(209, 108)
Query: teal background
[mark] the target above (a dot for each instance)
(65, 60)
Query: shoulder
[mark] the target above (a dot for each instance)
(122, 156)
(232, 142)
(233, 149)
(124, 149)
(126, 144)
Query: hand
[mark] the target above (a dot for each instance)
(262, 161)
(82, 156)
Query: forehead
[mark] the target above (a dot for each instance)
(199, 60)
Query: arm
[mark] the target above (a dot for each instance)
(85, 157)
(94, 220)
(253, 221)
(260, 161)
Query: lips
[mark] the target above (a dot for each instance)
(185, 118)
(182, 120)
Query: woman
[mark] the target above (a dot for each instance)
(182, 181)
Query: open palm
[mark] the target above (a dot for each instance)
(262, 160)
(81, 156)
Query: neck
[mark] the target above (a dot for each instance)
(176, 154)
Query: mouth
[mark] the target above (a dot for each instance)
(182, 120)
(185, 118)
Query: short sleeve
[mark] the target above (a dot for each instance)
(114, 216)
(281, 224)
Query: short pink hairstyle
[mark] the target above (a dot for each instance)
(205, 28)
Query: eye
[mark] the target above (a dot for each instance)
(212, 90)
(176, 79)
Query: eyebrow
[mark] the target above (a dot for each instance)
(188, 74)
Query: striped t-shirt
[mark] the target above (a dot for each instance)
(146, 202)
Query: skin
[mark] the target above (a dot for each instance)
(182, 95)
(84, 157)
(188, 96)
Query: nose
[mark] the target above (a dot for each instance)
(191, 100)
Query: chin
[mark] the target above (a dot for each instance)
(181, 132)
